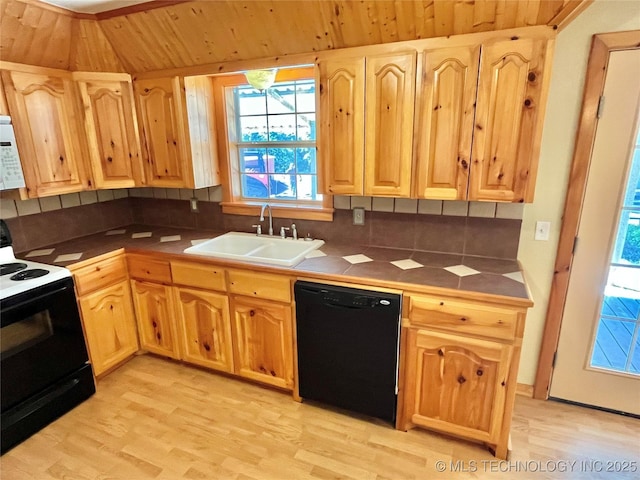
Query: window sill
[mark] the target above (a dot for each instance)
(298, 212)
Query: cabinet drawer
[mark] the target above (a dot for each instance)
(100, 275)
(148, 268)
(198, 275)
(261, 285)
(462, 317)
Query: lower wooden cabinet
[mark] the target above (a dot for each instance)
(109, 324)
(155, 318)
(459, 366)
(205, 328)
(459, 383)
(263, 346)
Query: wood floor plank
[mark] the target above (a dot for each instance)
(158, 419)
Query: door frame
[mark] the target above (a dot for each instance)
(601, 46)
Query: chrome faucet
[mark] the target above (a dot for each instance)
(266, 205)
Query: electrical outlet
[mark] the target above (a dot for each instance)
(542, 230)
(358, 216)
(193, 203)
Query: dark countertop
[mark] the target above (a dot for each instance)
(502, 278)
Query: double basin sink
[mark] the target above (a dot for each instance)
(249, 247)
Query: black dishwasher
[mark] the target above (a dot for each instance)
(348, 347)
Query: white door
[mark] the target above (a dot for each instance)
(598, 357)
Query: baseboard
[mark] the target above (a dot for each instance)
(524, 390)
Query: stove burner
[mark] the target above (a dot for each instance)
(29, 274)
(9, 268)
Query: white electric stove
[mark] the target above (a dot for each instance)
(17, 276)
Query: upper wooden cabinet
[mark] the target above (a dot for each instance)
(390, 91)
(444, 121)
(367, 122)
(510, 108)
(44, 107)
(342, 130)
(479, 108)
(177, 122)
(111, 129)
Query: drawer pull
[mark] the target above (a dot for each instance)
(252, 313)
(463, 319)
(479, 372)
(207, 347)
(461, 379)
(441, 353)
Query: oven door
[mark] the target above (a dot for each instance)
(41, 340)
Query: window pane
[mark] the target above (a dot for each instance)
(307, 187)
(306, 96)
(627, 247)
(306, 124)
(281, 98)
(255, 186)
(283, 186)
(282, 128)
(281, 160)
(253, 160)
(251, 101)
(253, 129)
(306, 160)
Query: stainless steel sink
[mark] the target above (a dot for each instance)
(249, 247)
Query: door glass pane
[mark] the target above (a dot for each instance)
(618, 335)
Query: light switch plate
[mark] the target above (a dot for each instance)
(542, 230)
(358, 216)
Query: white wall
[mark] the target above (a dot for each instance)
(563, 111)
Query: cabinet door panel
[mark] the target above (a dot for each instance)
(460, 384)
(162, 119)
(112, 133)
(390, 89)
(445, 122)
(155, 316)
(342, 127)
(44, 110)
(206, 328)
(109, 325)
(509, 114)
(263, 341)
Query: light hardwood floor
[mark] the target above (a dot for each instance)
(153, 418)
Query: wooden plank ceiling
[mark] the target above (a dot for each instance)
(183, 34)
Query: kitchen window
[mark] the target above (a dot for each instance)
(271, 145)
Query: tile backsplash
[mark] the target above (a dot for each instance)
(455, 208)
(20, 208)
(473, 228)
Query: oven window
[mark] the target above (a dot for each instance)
(21, 335)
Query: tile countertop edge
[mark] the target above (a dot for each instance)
(329, 277)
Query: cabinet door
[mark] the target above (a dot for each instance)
(156, 318)
(112, 130)
(444, 121)
(512, 91)
(342, 125)
(460, 384)
(109, 325)
(44, 109)
(161, 115)
(263, 343)
(205, 328)
(390, 90)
